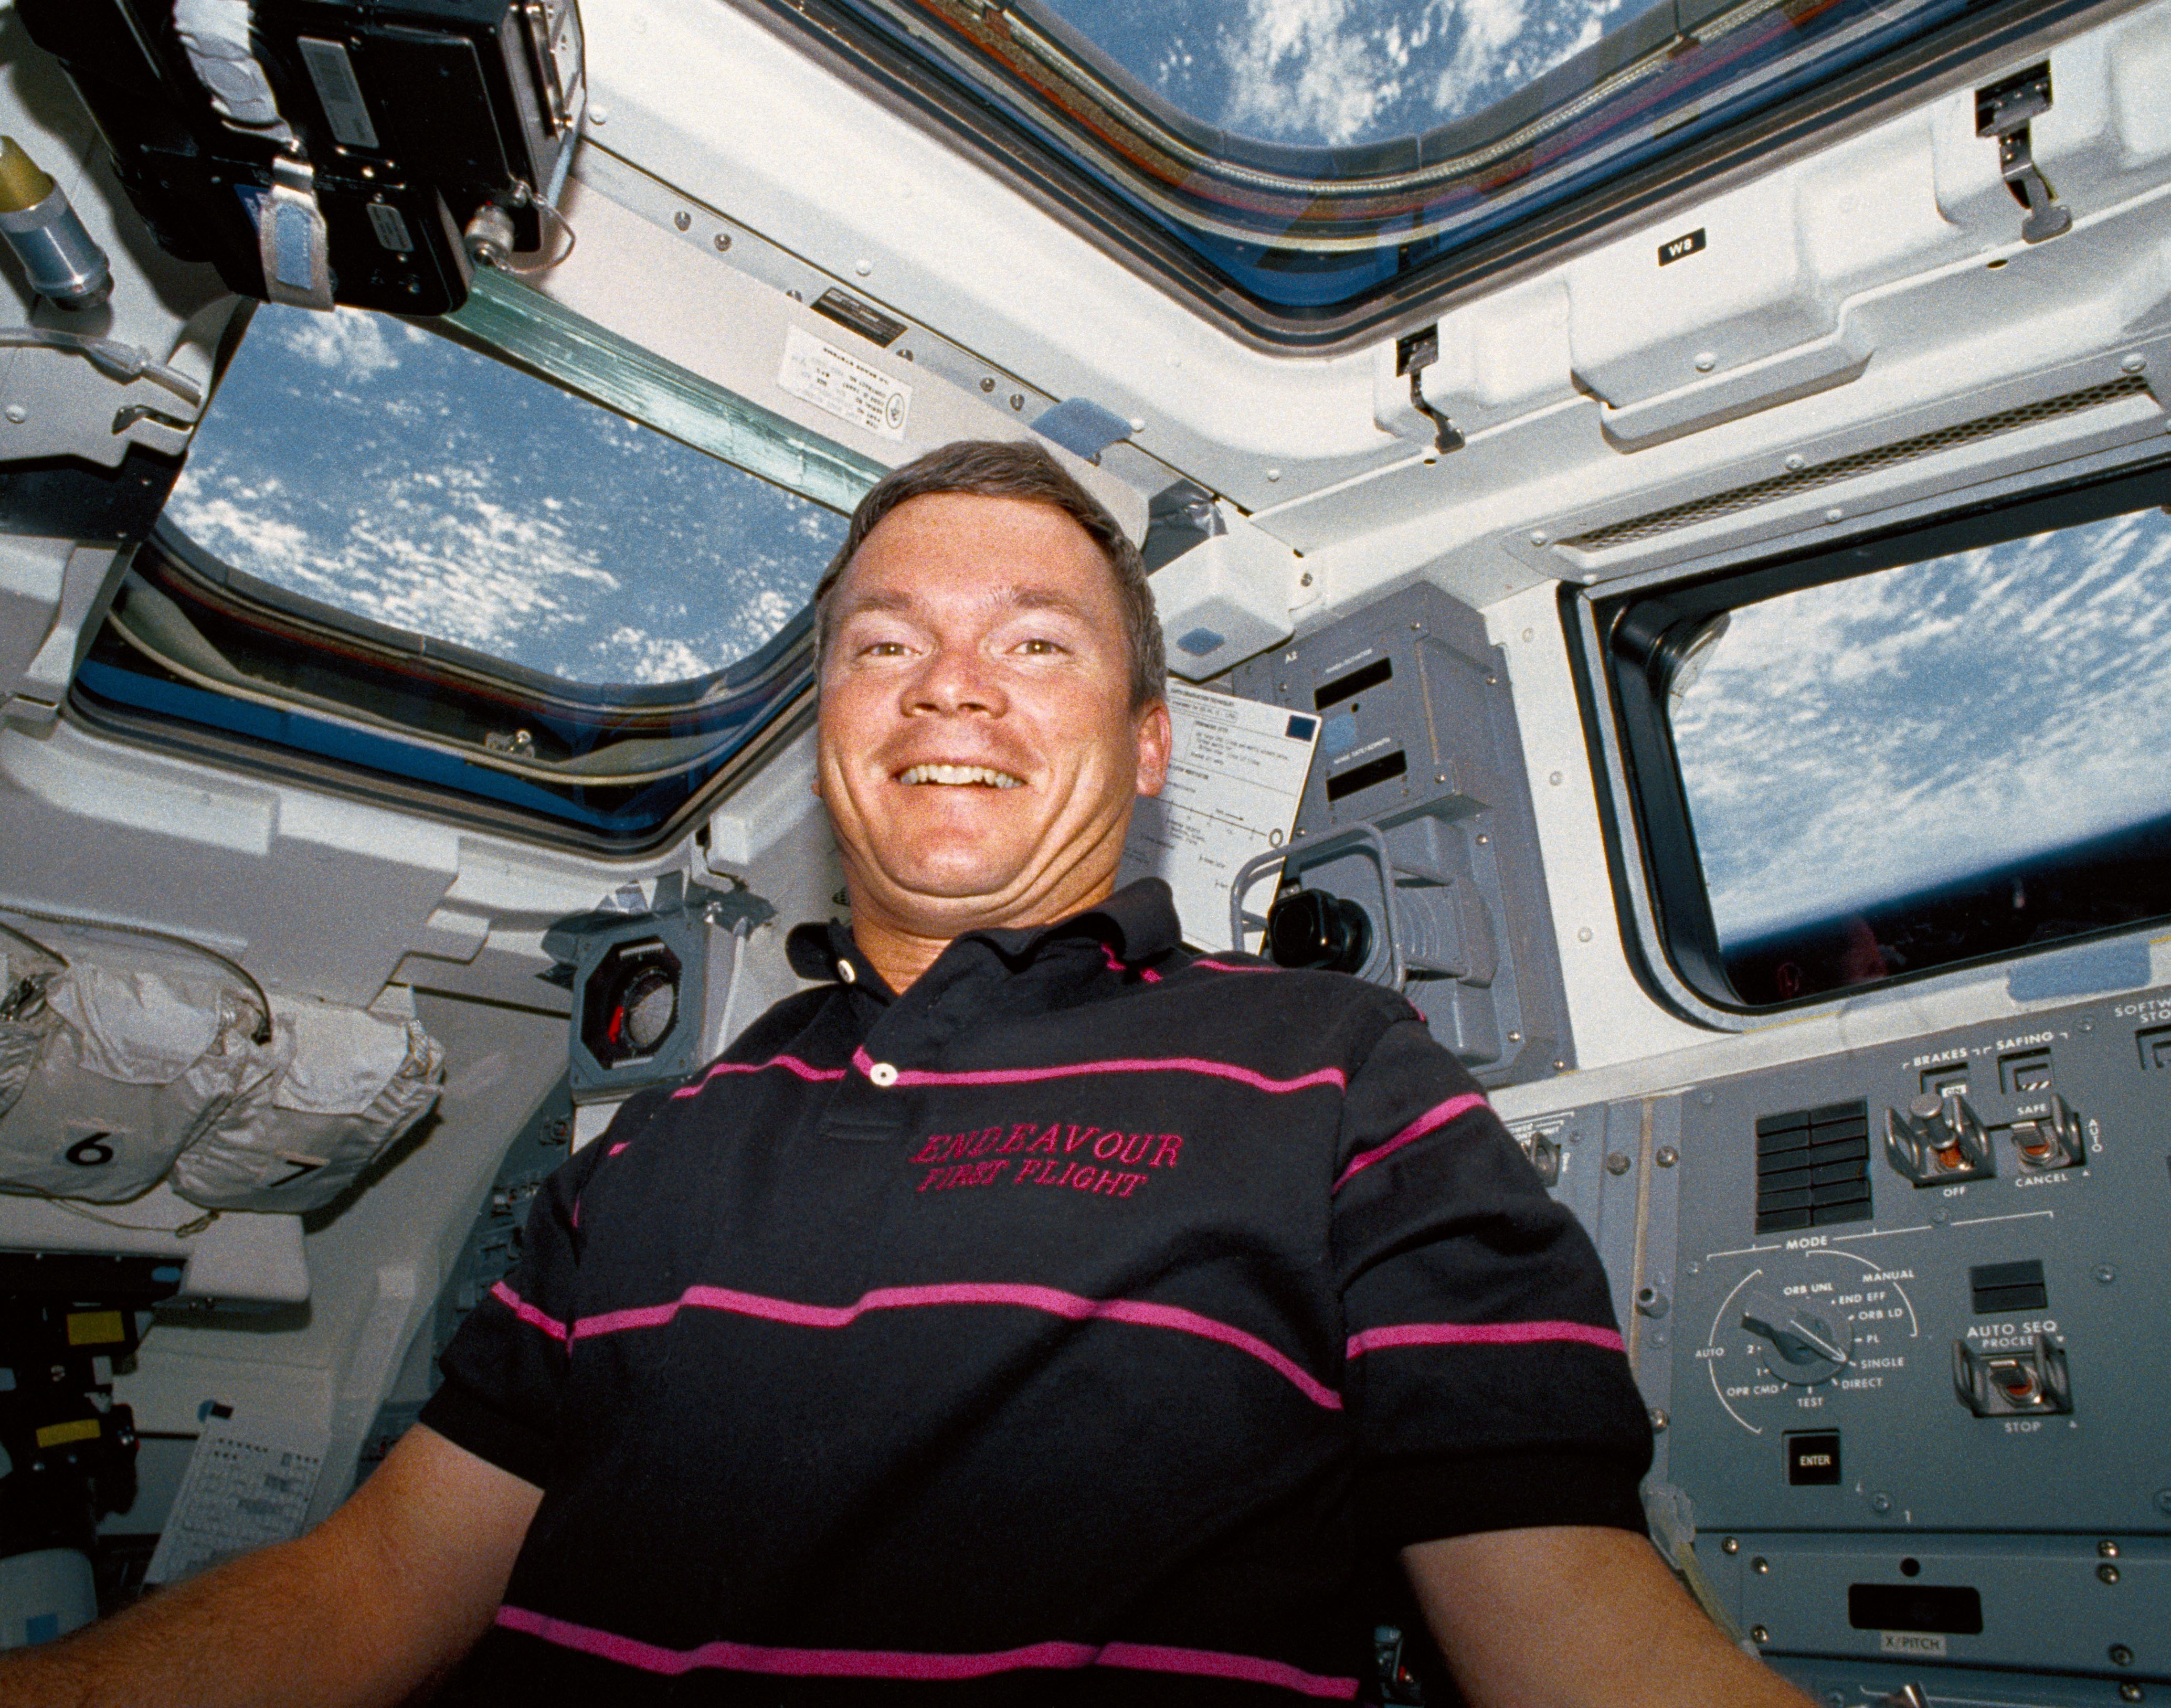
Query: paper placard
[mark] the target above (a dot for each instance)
(1236, 776)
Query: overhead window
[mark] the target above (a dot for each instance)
(1303, 168)
(395, 553)
(1934, 750)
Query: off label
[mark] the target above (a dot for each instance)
(838, 382)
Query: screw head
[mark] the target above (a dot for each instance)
(2108, 1573)
(1666, 1156)
(682, 220)
(1274, 473)
(2104, 1273)
(2164, 1501)
(1554, 779)
(723, 241)
(1796, 461)
(2120, 1656)
(1658, 1421)
(1761, 1566)
(987, 385)
(1617, 1163)
(18, 413)
(1705, 361)
(1757, 1634)
(1880, 1502)
(2134, 363)
(1940, 1215)
(1304, 581)
(2131, 1692)
(1730, 1546)
(2107, 1550)
(1538, 538)
(1834, 514)
(1582, 934)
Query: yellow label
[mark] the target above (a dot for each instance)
(60, 1434)
(96, 1328)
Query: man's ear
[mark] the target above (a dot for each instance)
(1155, 738)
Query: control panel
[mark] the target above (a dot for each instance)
(1904, 1318)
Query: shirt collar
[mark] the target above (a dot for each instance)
(1138, 922)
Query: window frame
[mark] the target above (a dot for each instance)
(1049, 156)
(1626, 639)
(418, 769)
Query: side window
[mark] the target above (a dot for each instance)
(1952, 758)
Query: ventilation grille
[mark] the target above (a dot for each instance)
(1796, 480)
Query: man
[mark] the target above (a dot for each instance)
(1032, 1312)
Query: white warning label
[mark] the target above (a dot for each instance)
(838, 381)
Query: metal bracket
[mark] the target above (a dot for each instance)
(2002, 111)
(1413, 355)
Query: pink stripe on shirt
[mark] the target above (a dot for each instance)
(1071, 1306)
(1481, 1335)
(905, 1663)
(1140, 1065)
(528, 1313)
(1437, 1117)
(790, 1064)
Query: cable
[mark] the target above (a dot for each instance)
(262, 1034)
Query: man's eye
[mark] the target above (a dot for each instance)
(882, 649)
(1039, 647)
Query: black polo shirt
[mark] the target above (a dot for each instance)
(1075, 1327)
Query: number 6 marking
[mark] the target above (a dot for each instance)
(89, 1153)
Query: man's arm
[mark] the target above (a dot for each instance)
(384, 1596)
(1577, 1617)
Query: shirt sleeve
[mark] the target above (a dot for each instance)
(504, 1371)
(1486, 1373)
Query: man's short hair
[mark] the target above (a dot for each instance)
(1017, 468)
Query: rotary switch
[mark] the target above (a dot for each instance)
(1804, 1347)
(1938, 1140)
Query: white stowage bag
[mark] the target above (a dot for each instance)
(144, 1053)
(347, 1084)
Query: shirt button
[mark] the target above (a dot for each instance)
(848, 972)
(882, 1074)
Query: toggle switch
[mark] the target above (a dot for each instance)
(2023, 1383)
(1937, 1141)
(2051, 1140)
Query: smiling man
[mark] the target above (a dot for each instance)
(1031, 1311)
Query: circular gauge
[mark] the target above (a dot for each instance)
(629, 1007)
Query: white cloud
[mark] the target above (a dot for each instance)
(1859, 741)
(1302, 68)
(357, 345)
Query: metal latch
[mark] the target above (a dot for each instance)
(2003, 111)
(1413, 355)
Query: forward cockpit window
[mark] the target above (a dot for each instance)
(1951, 754)
(399, 563)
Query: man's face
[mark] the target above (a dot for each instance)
(978, 751)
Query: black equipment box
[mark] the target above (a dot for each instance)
(413, 116)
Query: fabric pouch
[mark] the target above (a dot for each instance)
(143, 1056)
(348, 1084)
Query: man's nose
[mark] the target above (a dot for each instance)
(956, 679)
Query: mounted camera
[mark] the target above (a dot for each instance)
(326, 151)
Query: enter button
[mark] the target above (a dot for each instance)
(1813, 1457)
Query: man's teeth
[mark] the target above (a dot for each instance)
(962, 774)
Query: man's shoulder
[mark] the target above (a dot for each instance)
(1315, 1006)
